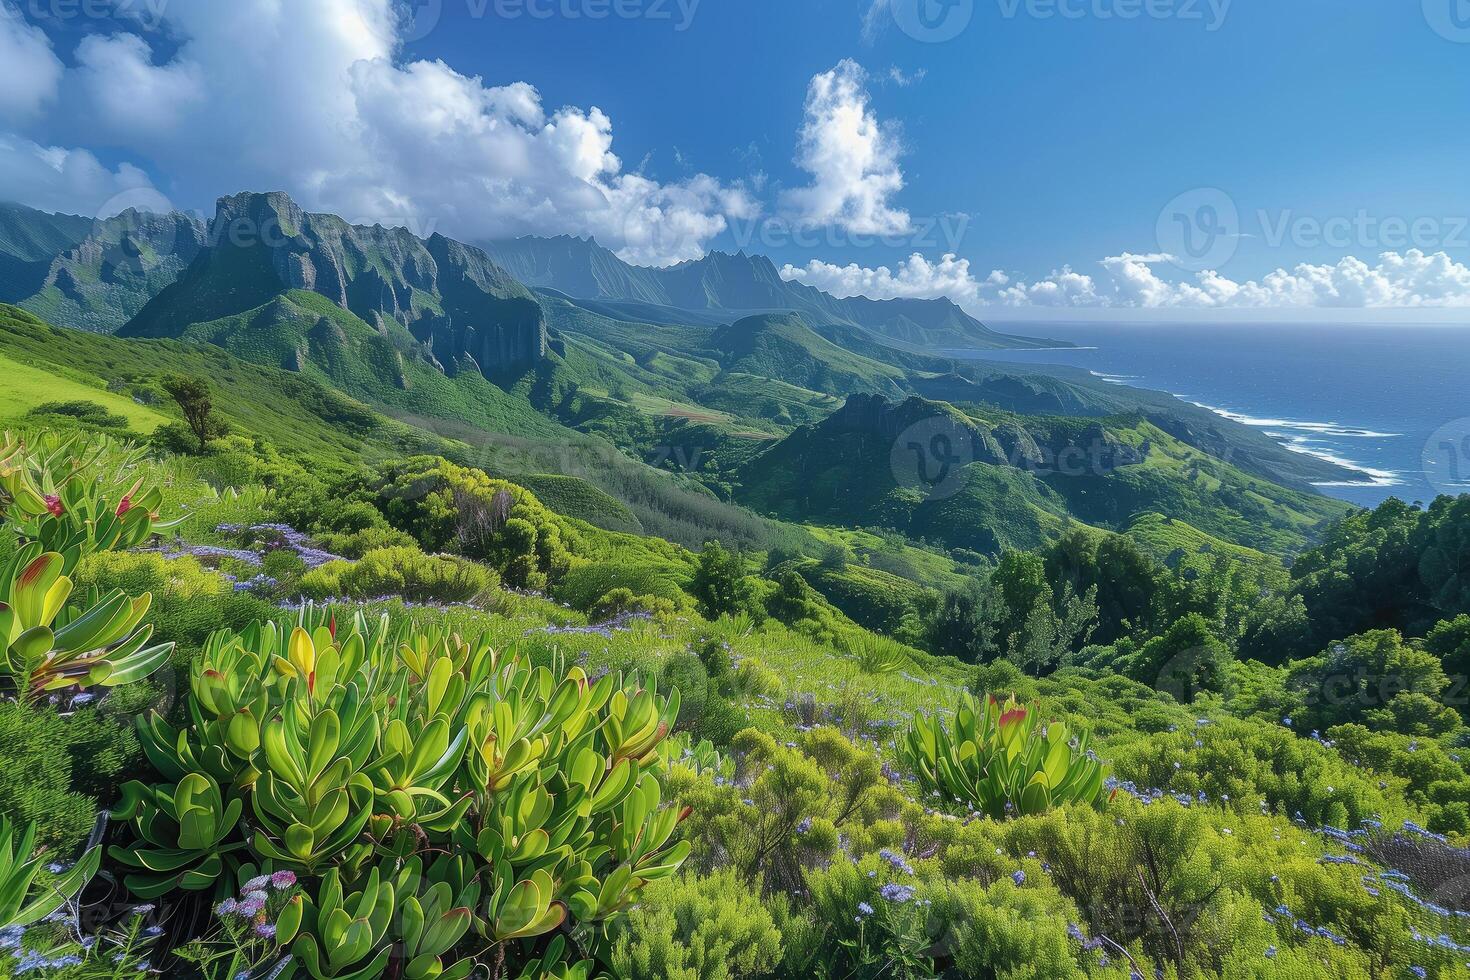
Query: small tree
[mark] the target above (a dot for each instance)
(720, 584)
(193, 398)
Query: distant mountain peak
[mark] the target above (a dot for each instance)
(739, 283)
(436, 298)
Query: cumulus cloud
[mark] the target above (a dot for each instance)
(852, 157)
(29, 69)
(314, 100)
(124, 95)
(68, 181)
(1134, 281)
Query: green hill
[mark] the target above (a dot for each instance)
(995, 482)
(296, 414)
(783, 347)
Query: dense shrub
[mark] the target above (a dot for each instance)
(698, 928)
(35, 781)
(59, 770)
(450, 508)
(722, 585)
(1250, 767)
(1373, 678)
(405, 572)
(584, 586)
(189, 601)
(1187, 660)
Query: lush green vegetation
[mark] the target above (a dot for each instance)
(437, 628)
(820, 809)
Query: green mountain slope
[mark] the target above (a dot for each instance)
(91, 274)
(301, 415)
(296, 414)
(785, 348)
(990, 482)
(434, 300)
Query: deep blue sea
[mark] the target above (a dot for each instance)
(1392, 402)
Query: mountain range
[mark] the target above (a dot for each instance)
(743, 386)
(734, 285)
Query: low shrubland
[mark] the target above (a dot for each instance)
(417, 723)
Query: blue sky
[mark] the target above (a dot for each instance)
(1063, 152)
(1063, 138)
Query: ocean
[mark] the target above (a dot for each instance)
(1392, 403)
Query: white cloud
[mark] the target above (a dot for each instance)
(29, 69)
(852, 157)
(1133, 281)
(311, 99)
(127, 97)
(915, 278)
(67, 181)
(896, 76)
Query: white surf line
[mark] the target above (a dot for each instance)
(1115, 379)
(1317, 428)
(1312, 447)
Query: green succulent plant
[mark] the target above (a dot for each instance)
(46, 646)
(341, 935)
(444, 798)
(75, 496)
(23, 898)
(998, 760)
(184, 834)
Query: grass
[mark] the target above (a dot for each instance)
(295, 414)
(27, 386)
(1160, 536)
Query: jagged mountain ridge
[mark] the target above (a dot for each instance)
(92, 274)
(434, 299)
(739, 284)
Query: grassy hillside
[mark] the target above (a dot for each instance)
(305, 418)
(786, 349)
(1021, 481)
(27, 387)
(1174, 542)
(295, 414)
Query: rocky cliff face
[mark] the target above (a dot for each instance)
(441, 300)
(96, 274)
